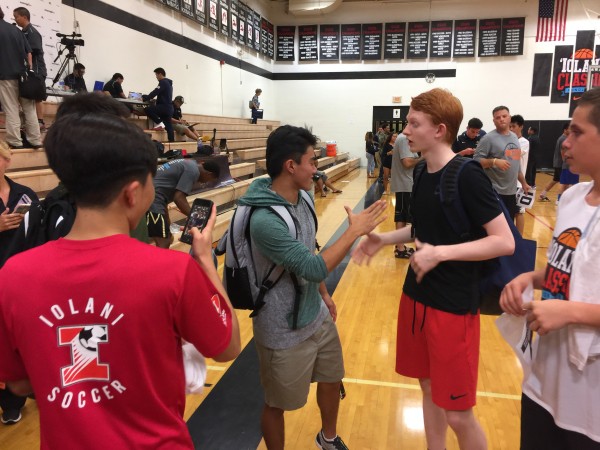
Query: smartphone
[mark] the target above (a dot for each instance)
(22, 209)
(201, 210)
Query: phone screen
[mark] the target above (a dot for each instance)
(198, 218)
(22, 209)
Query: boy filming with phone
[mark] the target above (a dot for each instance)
(173, 182)
(98, 335)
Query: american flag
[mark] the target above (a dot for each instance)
(552, 18)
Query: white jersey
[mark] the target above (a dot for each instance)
(570, 395)
(524, 143)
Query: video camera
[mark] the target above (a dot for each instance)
(69, 40)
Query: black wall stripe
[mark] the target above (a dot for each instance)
(123, 18)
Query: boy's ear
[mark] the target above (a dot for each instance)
(131, 192)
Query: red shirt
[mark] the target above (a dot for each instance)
(96, 326)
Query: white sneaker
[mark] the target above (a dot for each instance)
(159, 127)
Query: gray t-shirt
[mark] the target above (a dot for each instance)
(176, 175)
(501, 146)
(402, 178)
(558, 160)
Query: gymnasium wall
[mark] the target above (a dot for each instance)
(336, 109)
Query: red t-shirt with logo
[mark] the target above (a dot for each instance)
(97, 326)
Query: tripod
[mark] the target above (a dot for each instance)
(70, 56)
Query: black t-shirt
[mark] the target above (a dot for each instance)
(452, 286)
(463, 142)
(113, 88)
(77, 84)
(176, 112)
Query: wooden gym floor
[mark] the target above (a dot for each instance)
(382, 409)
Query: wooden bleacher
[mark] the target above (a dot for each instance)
(246, 141)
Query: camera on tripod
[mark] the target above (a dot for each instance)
(68, 40)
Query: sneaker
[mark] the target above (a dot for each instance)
(323, 444)
(543, 198)
(402, 254)
(11, 416)
(159, 127)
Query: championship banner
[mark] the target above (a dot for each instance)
(224, 17)
(561, 76)
(583, 58)
(233, 19)
(187, 9)
(200, 11)
(241, 23)
(213, 17)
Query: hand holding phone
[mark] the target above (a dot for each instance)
(199, 215)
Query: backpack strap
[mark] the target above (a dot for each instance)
(417, 172)
(450, 197)
(311, 205)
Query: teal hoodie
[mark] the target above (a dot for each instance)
(272, 244)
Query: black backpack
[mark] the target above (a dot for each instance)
(48, 220)
(494, 273)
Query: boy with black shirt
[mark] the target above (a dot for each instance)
(162, 112)
(113, 86)
(180, 125)
(438, 320)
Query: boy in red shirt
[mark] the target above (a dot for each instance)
(95, 330)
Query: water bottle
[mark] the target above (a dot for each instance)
(61, 85)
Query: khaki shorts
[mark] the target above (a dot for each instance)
(286, 374)
(179, 128)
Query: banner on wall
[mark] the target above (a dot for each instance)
(271, 40)
(513, 36)
(440, 39)
(561, 76)
(224, 17)
(187, 8)
(285, 43)
(200, 11)
(350, 41)
(174, 4)
(256, 31)
(490, 31)
(542, 68)
(233, 19)
(264, 36)
(213, 17)
(394, 40)
(582, 59)
(371, 41)
(464, 38)
(242, 24)
(329, 42)
(308, 47)
(249, 28)
(418, 40)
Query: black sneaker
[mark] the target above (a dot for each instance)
(11, 416)
(323, 444)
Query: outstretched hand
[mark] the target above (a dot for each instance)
(367, 248)
(366, 221)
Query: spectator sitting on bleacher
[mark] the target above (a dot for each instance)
(162, 112)
(173, 183)
(75, 80)
(181, 126)
(113, 87)
(321, 181)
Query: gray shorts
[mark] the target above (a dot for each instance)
(286, 374)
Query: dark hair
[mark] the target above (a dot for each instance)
(94, 102)
(117, 76)
(1, 14)
(566, 126)
(96, 154)
(388, 139)
(535, 130)
(161, 71)
(78, 66)
(475, 123)
(285, 143)
(592, 98)
(518, 119)
(23, 12)
(500, 108)
(212, 167)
